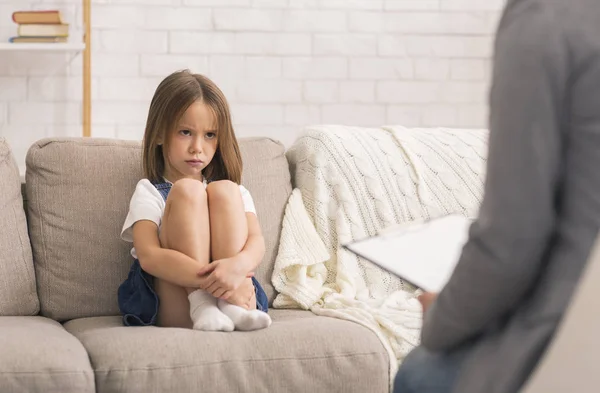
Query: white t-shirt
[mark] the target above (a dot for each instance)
(148, 204)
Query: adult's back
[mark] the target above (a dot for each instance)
(541, 211)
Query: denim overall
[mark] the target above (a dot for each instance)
(138, 301)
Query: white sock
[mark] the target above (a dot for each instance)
(206, 315)
(245, 319)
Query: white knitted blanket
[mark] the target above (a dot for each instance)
(351, 183)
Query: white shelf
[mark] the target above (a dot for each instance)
(53, 46)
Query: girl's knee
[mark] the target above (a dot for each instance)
(188, 190)
(223, 191)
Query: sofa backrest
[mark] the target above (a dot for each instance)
(17, 278)
(78, 192)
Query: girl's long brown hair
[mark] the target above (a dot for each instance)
(172, 98)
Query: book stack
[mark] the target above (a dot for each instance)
(40, 27)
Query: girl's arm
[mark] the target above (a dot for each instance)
(166, 264)
(254, 250)
(229, 273)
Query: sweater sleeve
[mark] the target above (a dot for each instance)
(507, 242)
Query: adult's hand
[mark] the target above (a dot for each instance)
(427, 299)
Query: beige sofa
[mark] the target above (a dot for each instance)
(60, 269)
(60, 329)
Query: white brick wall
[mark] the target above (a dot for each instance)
(283, 64)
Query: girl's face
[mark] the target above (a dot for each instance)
(192, 144)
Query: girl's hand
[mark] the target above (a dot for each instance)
(244, 296)
(221, 277)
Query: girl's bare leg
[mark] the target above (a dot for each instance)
(229, 233)
(185, 228)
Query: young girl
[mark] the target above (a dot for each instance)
(196, 238)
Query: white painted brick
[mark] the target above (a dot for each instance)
(321, 92)
(62, 130)
(411, 5)
(285, 134)
(133, 2)
(58, 88)
(270, 91)
(131, 41)
(13, 88)
(7, 7)
(315, 68)
(469, 69)
(20, 138)
(163, 65)
(3, 113)
(345, 44)
(391, 45)
(304, 3)
(408, 92)
(118, 16)
(113, 65)
(131, 132)
(476, 115)
(363, 21)
(33, 63)
(353, 4)
(193, 42)
(302, 115)
(253, 19)
(436, 46)
(273, 44)
(439, 23)
(357, 92)
(109, 132)
(121, 113)
(359, 62)
(352, 114)
(26, 113)
(404, 115)
(227, 67)
(315, 21)
(270, 3)
(217, 3)
(432, 69)
(257, 114)
(377, 68)
(179, 18)
(440, 116)
(75, 66)
(472, 5)
(464, 92)
(263, 67)
(127, 89)
(227, 85)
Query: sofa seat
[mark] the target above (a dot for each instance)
(38, 355)
(300, 352)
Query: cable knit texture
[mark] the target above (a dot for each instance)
(351, 183)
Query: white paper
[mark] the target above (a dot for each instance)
(424, 254)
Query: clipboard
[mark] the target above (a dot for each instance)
(424, 254)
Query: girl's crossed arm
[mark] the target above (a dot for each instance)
(226, 275)
(164, 263)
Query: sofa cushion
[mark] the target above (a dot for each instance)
(267, 177)
(39, 355)
(78, 193)
(300, 352)
(18, 295)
